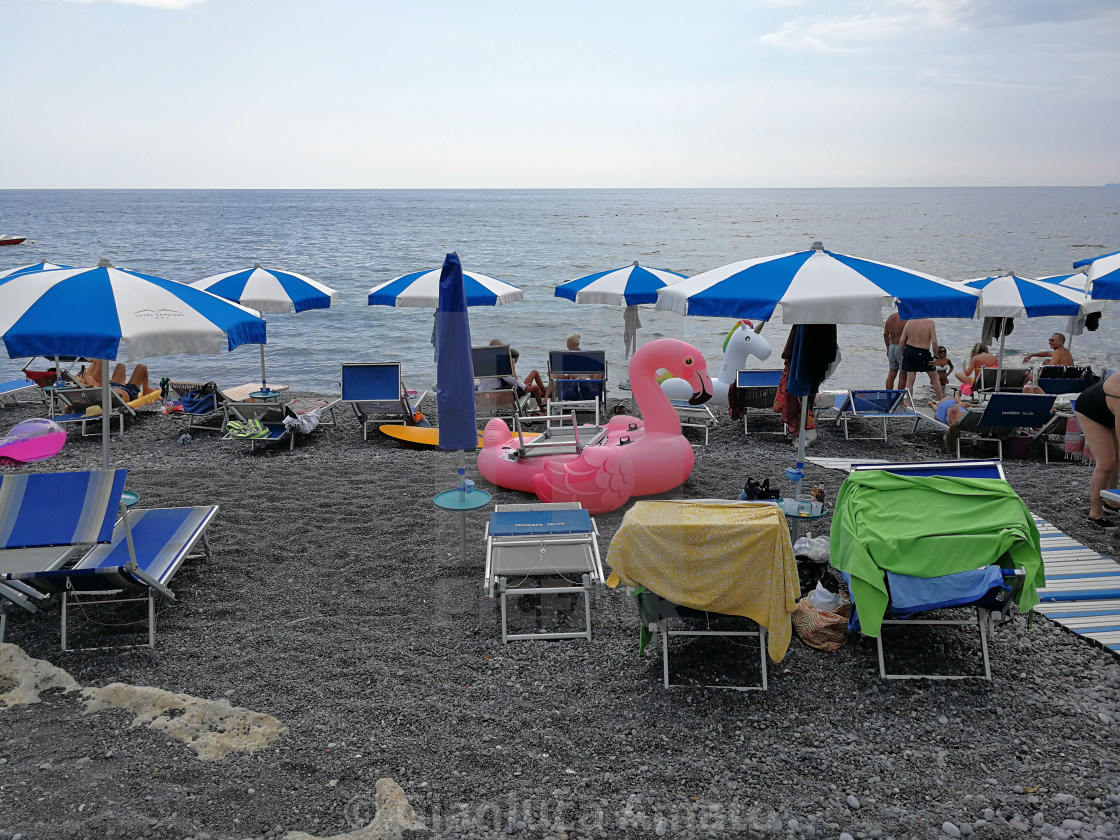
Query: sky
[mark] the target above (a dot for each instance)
(372, 94)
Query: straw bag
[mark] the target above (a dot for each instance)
(823, 629)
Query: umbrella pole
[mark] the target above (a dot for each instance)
(106, 413)
(264, 383)
(801, 448)
(999, 361)
(461, 468)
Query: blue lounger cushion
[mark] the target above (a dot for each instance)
(531, 523)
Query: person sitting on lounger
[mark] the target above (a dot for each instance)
(1056, 355)
(136, 386)
(532, 385)
(977, 359)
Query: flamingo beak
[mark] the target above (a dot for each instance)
(704, 392)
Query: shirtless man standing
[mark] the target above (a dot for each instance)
(917, 344)
(1057, 354)
(892, 331)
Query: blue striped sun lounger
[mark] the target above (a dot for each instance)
(10, 389)
(77, 512)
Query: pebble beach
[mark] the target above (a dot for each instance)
(336, 602)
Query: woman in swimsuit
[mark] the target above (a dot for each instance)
(1098, 412)
(136, 386)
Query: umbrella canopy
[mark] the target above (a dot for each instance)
(89, 311)
(24, 269)
(1077, 280)
(817, 287)
(421, 288)
(269, 290)
(626, 286)
(458, 428)
(1009, 296)
(1104, 275)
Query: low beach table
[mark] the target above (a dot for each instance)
(462, 499)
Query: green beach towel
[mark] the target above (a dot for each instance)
(928, 527)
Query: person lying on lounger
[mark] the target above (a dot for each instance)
(136, 386)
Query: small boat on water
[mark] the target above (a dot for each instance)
(10, 239)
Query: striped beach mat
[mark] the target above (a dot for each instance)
(1082, 591)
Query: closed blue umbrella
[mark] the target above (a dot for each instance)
(458, 428)
(455, 391)
(90, 312)
(1104, 275)
(269, 290)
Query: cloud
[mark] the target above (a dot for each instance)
(835, 35)
(175, 5)
(1000, 14)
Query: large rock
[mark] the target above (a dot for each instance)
(23, 679)
(395, 819)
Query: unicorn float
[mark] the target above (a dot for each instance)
(633, 458)
(744, 340)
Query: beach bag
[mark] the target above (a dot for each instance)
(200, 400)
(754, 491)
(824, 628)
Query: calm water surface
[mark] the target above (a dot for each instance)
(537, 239)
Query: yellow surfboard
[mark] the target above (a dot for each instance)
(421, 435)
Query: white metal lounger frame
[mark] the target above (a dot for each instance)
(507, 555)
(901, 408)
(694, 416)
(661, 627)
(984, 619)
(155, 589)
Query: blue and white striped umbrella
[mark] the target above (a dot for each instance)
(627, 286)
(269, 290)
(25, 269)
(817, 287)
(421, 288)
(1077, 281)
(90, 312)
(1104, 275)
(1009, 296)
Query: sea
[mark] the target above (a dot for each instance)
(353, 240)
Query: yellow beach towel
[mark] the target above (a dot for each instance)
(734, 559)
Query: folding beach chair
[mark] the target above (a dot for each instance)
(1002, 415)
(1064, 379)
(74, 402)
(987, 590)
(490, 363)
(876, 404)
(377, 393)
(694, 416)
(543, 540)
(1012, 379)
(709, 563)
(277, 423)
(10, 390)
(578, 380)
(756, 390)
(205, 405)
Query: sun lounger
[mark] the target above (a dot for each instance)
(205, 405)
(694, 416)
(542, 541)
(146, 550)
(578, 380)
(10, 390)
(261, 423)
(1063, 379)
(75, 403)
(490, 363)
(377, 393)
(876, 404)
(706, 562)
(985, 566)
(1002, 415)
(1012, 379)
(755, 391)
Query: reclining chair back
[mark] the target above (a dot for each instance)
(494, 362)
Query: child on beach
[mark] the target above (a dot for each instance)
(943, 365)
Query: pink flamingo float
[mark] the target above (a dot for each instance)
(635, 458)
